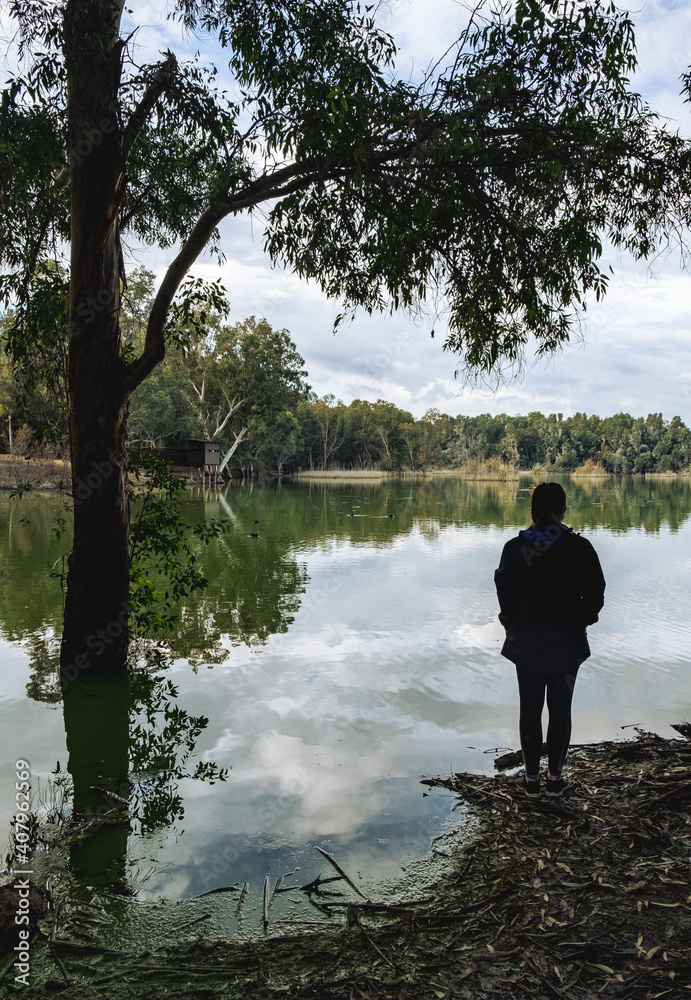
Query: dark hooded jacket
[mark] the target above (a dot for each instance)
(550, 587)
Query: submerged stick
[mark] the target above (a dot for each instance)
(266, 899)
(110, 795)
(383, 907)
(241, 900)
(221, 888)
(331, 859)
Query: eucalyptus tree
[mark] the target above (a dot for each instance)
(159, 412)
(327, 423)
(240, 380)
(434, 431)
(492, 181)
(424, 439)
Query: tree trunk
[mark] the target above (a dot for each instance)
(96, 713)
(95, 628)
(233, 448)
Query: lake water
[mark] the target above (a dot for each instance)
(348, 650)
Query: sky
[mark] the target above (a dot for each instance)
(635, 351)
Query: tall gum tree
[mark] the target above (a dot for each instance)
(98, 583)
(491, 183)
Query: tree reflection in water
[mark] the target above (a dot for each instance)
(129, 742)
(129, 745)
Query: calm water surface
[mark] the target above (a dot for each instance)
(347, 651)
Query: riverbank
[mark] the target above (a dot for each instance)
(39, 474)
(24, 474)
(580, 897)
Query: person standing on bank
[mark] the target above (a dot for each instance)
(550, 587)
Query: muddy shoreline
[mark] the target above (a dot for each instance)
(580, 897)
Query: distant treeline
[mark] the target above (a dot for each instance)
(245, 386)
(379, 435)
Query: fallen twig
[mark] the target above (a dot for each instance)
(198, 920)
(494, 956)
(61, 965)
(682, 786)
(312, 886)
(331, 859)
(222, 888)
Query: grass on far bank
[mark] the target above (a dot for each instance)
(482, 470)
(17, 472)
(477, 470)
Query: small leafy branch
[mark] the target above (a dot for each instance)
(161, 546)
(20, 489)
(162, 558)
(163, 738)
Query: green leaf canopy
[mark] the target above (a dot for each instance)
(488, 187)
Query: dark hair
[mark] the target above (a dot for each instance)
(547, 500)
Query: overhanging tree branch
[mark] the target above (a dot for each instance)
(274, 185)
(161, 79)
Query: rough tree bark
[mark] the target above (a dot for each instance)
(95, 628)
(95, 635)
